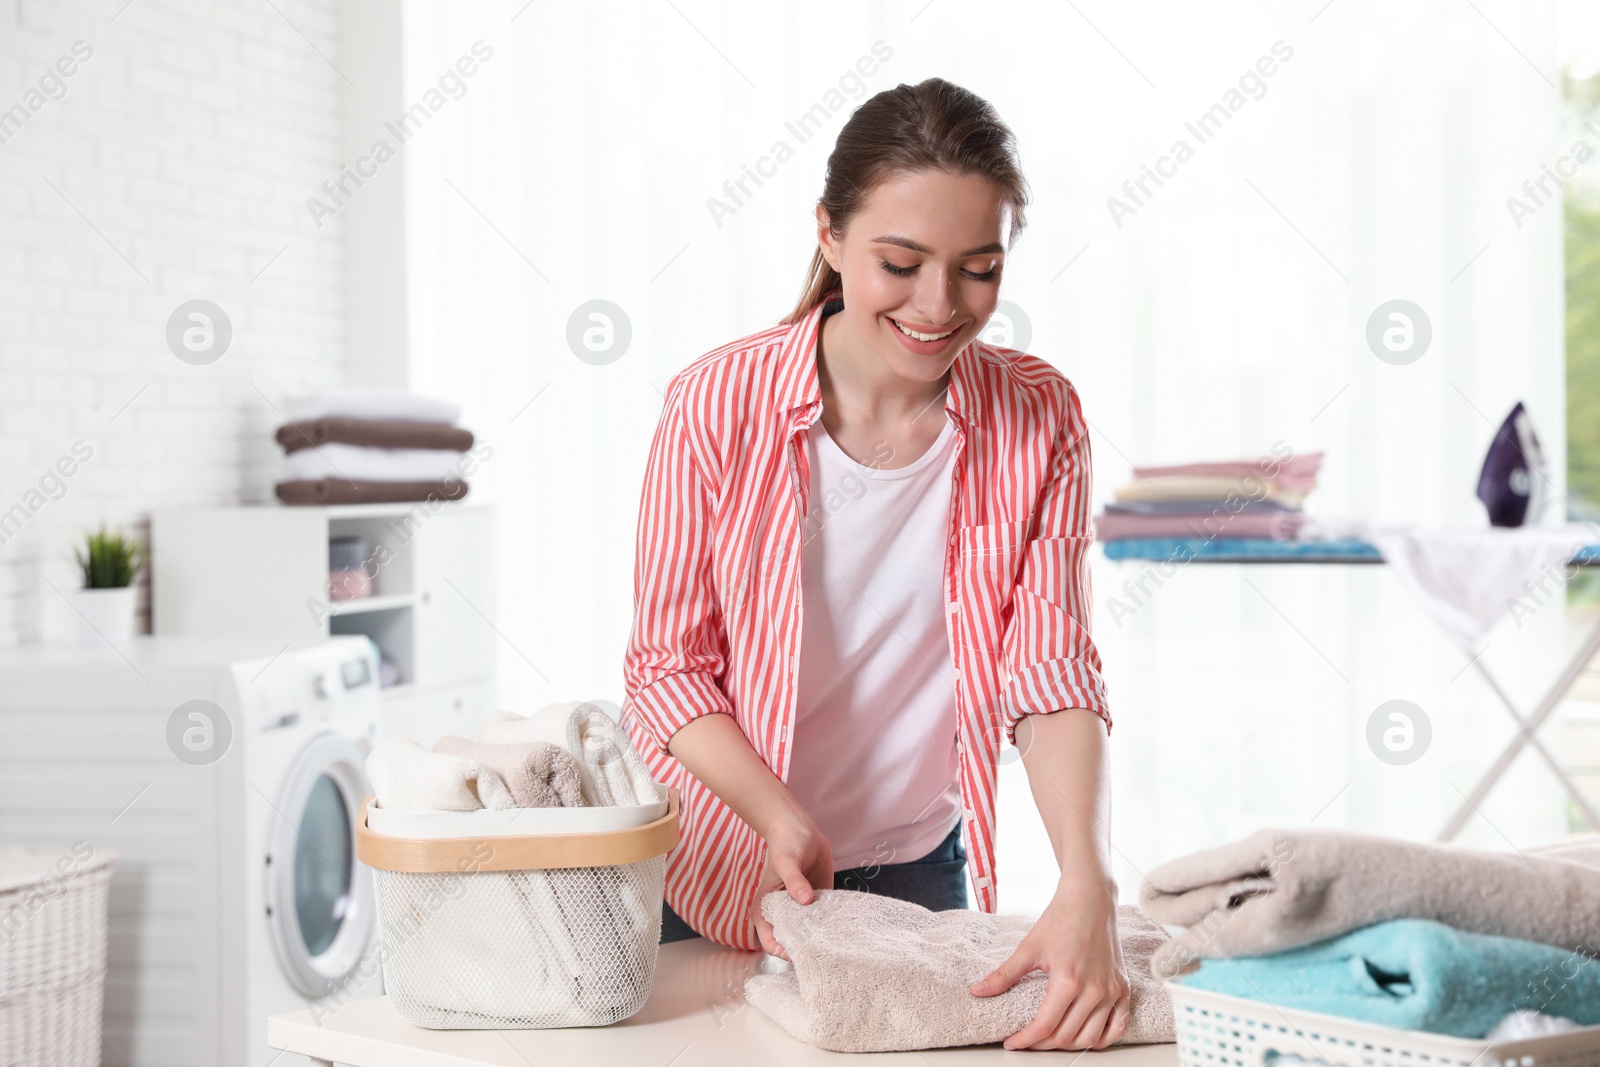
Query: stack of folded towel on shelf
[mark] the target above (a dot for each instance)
(576, 935)
(1237, 499)
(370, 446)
(1414, 936)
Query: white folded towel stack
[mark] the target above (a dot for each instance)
(361, 403)
(407, 777)
(613, 770)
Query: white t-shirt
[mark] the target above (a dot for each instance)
(874, 754)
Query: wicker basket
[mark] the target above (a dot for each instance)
(1219, 1030)
(530, 931)
(52, 954)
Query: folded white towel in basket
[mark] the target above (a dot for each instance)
(471, 948)
(407, 777)
(613, 771)
(518, 949)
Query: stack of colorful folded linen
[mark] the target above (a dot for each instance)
(370, 446)
(1417, 936)
(1256, 499)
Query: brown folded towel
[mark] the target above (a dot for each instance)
(539, 774)
(1281, 889)
(377, 433)
(875, 974)
(343, 491)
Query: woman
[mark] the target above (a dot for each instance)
(862, 565)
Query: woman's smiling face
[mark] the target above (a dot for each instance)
(923, 258)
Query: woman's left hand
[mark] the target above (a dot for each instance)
(1075, 941)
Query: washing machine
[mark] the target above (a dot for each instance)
(227, 775)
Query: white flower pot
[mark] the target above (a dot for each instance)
(105, 614)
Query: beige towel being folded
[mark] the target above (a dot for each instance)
(875, 974)
(539, 774)
(1281, 889)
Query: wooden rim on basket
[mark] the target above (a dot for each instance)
(466, 855)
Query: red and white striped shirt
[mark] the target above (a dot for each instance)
(717, 594)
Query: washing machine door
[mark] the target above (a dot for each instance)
(320, 906)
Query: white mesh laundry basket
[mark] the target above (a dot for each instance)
(52, 954)
(1219, 1030)
(485, 929)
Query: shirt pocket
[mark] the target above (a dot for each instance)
(988, 559)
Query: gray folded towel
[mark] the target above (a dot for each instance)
(875, 974)
(538, 774)
(1281, 889)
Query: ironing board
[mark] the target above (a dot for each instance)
(1242, 550)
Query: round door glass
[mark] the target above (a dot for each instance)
(323, 866)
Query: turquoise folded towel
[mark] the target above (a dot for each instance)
(1416, 974)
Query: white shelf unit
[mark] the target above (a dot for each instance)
(262, 571)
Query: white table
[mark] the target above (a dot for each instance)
(696, 1015)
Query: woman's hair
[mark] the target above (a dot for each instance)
(932, 125)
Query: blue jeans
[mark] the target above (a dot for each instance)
(937, 881)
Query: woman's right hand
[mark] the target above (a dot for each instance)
(798, 859)
(716, 751)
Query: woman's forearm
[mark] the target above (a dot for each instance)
(1065, 756)
(718, 753)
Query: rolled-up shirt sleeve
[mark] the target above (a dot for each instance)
(677, 650)
(1052, 660)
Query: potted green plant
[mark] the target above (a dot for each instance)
(110, 561)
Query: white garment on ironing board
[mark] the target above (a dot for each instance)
(1468, 579)
(874, 755)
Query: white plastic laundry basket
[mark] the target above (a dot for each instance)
(1219, 1030)
(487, 929)
(52, 954)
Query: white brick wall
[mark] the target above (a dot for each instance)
(190, 141)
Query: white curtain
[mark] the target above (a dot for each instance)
(1225, 313)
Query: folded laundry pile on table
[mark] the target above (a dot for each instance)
(368, 446)
(576, 933)
(1407, 934)
(872, 973)
(1257, 499)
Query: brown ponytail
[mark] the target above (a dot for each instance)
(932, 125)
